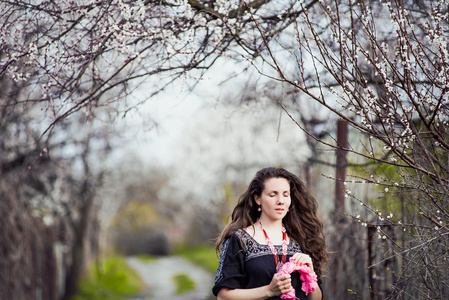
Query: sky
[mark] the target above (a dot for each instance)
(157, 124)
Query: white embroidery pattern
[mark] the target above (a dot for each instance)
(224, 248)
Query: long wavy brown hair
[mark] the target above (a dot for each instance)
(301, 222)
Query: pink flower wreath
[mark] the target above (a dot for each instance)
(308, 277)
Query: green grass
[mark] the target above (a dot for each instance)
(110, 278)
(202, 255)
(183, 283)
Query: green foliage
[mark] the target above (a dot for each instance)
(137, 228)
(388, 184)
(390, 199)
(145, 258)
(202, 255)
(136, 216)
(183, 283)
(109, 278)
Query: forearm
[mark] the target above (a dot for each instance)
(259, 293)
(315, 295)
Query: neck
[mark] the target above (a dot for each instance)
(270, 224)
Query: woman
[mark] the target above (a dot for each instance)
(274, 220)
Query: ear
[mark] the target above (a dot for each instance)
(257, 199)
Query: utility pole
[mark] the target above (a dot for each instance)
(342, 144)
(336, 267)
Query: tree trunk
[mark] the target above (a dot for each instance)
(78, 248)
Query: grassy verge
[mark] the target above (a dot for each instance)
(183, 283)
(109, 278)
(145, 258)
(202, 255)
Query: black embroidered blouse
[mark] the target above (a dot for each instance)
(246, 264)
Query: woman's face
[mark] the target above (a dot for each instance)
(275, 199)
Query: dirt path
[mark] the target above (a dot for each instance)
(158, 276)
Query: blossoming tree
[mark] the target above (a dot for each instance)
(382, 67)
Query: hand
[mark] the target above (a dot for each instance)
(280, 284)
(303, 259)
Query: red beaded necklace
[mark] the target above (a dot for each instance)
(273, 249)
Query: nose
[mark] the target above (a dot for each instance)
(280, 200)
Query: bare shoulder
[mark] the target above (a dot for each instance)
(250, 230)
